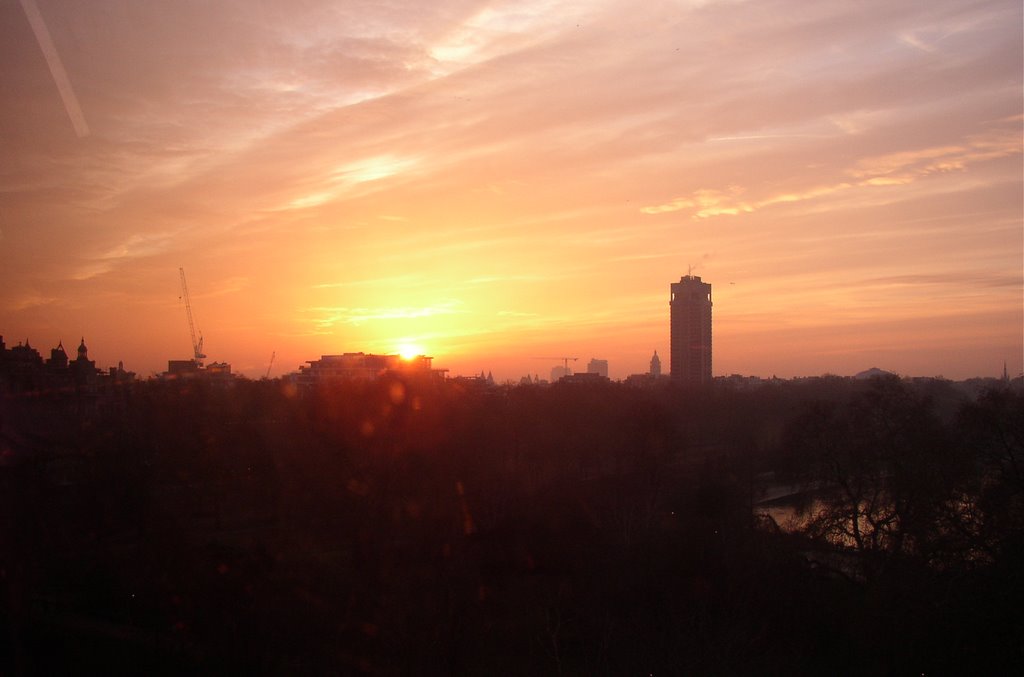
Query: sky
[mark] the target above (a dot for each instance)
(498, 184)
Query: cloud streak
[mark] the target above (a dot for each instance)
(330, 316)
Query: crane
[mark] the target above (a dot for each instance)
(565, 361)
(197, 346)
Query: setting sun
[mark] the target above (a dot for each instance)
(408, 351)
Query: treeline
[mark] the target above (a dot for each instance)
(426, 527)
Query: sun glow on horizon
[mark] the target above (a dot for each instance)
(408, 350)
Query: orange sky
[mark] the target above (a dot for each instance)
(497, 181)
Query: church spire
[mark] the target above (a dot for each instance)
(655, 365)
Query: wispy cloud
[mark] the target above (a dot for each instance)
(673, 205)
(707, 203)
(887, 170)
(500, 27)
(344, 177)
(134, 247)
(31, 300)
(377, 282)
(326, 316)
(228, 286)
(905, 166)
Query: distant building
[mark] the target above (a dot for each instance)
(640, 381)
(581, 379)
(22, 369)
(739, 382)
(58, 361)
(181, 368)
(690, 310)
(218, 371)
(655, 365)
(599, 367)
(119, 374)
(560, 372)
(475, 382)
(82, 368)
(873, 372)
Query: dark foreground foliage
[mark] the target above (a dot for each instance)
(404, 527)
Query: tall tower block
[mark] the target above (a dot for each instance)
(690, 309)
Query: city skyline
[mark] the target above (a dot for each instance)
(485, 182)
(27, 367)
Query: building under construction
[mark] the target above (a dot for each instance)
(362, 366)
(194, 368)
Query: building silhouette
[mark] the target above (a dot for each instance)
(690, 310)
(362, 366)
(21, 367)
(560, 372)
(655, 365)
(23, 370)
(194, 369)
(58, 361)
(83, 370)
(596, 366)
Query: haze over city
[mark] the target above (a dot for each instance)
(487, 182)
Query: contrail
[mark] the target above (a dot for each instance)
(758, 137)
(60, 76)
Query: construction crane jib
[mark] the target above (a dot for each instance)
(197, 345)
(564, 359)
